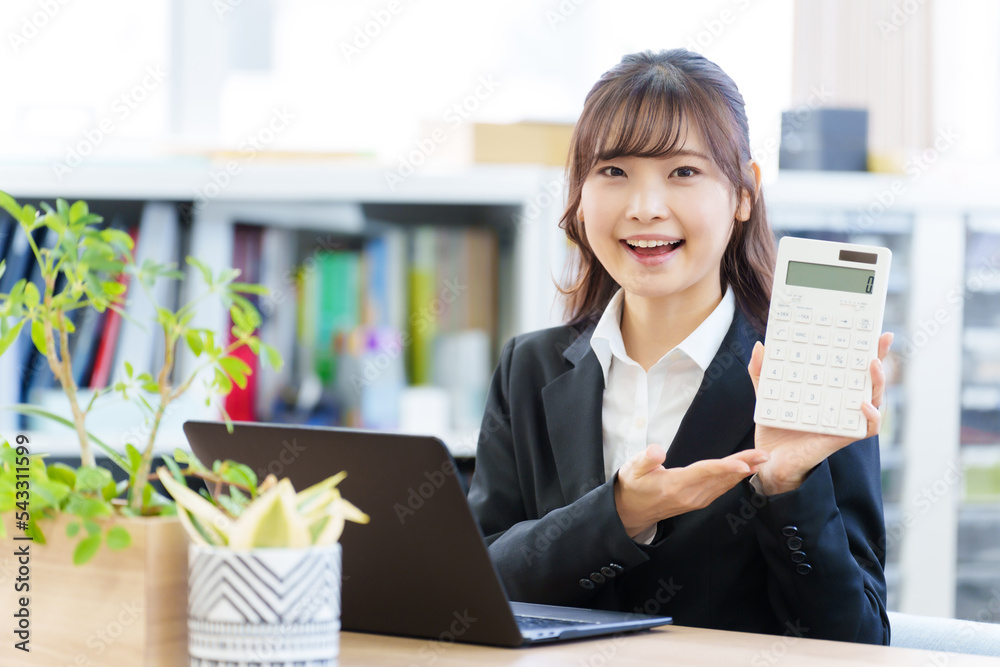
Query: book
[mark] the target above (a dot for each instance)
(241, 402)
(105, 355)
(141, 340)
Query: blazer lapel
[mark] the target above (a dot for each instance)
(722, 412)
(573, 404)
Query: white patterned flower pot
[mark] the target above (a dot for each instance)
(272, 607)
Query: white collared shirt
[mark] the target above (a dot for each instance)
(641, 408)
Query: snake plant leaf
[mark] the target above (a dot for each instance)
(271, 521)
(207, 513)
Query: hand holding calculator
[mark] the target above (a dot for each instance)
(822, 333)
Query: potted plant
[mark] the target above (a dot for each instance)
(66, 514)
(265, 565)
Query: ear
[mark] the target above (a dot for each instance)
(746, 199)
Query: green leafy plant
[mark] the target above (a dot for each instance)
(242, 515)
(91, 267)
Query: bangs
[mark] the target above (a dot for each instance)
(647, 119)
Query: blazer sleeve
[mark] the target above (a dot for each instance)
(546, 559)
(824, 546)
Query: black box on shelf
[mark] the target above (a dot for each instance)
(824, 139)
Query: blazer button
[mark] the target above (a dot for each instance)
(789, 531)
(586, 584)
(597, 577)
(803, 568)
(608, 572)
(798, 557)
(794, 543)
(617, 568)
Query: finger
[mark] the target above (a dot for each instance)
(752, 457)
(874, 418)
(884, 343)
(878, 382)
(647, 461)
(756, 360)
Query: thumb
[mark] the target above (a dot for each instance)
(649, 460)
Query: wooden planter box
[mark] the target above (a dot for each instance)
(124, 608)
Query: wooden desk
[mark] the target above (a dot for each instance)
(676, 646)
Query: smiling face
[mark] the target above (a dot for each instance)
(682, 205)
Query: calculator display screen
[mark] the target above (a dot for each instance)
(824, 276)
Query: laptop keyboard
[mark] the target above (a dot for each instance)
(540, 622)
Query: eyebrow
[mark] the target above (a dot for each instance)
(685, 151)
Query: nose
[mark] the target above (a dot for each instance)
(648, 202)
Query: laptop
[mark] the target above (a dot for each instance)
(420, 567)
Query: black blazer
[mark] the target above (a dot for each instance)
(804, 563)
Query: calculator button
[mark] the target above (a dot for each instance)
(852, 400)
(865, 323)
(841, 339)
(821, 338)
(851, 421)
(817, 357)
(835, 378)
(856, 380)
(859, 362)
(811, 396)
(824, 319)
(862, 342)
(792, 394)
(795, 374)
(770, 390)
(777, 352)
(801, 335)
(845, 321)
(797, 354)
(831, 415)
(788, 413)
(803, 315)
(780, 332)
(838, 360)
(769, 411)
(783, 313)
(774, 371)
(815, 376)
(810, 415)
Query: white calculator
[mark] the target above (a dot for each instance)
(822, 333)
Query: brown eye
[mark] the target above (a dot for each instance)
(685, 172)
(612, 171)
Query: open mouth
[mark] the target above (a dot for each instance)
(652, 249)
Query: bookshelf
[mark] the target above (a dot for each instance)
(318, 206)
(932, 569)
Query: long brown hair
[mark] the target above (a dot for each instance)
(638, 108)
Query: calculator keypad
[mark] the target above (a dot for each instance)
(815, 373)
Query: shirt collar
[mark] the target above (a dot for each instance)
(700, 346)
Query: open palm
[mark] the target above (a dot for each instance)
(795, 453)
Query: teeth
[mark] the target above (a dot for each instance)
(650, 244)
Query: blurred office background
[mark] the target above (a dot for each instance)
(392, 171)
